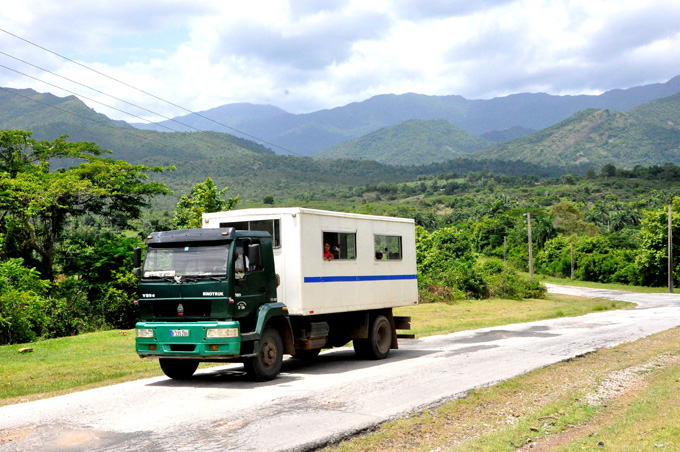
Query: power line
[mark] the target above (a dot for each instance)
(82, 117)
(101, 92)
(84, 97)
(147, 93)
(197, 138)
(98, 102)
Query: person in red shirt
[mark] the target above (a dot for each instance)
(327, 255)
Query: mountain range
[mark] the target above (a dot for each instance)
(305, 134)
(642, 133)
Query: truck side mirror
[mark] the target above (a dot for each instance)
(254, 256)
(137, 261)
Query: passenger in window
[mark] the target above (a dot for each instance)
(378, 255)
(239, 264)
(327, 255)
(336, 252)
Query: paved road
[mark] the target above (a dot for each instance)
(312, 404)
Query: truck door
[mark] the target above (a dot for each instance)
(250, 290)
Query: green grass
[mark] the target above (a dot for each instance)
(58, 366)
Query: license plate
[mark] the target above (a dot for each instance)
(179, 333)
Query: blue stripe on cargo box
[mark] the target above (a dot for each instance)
(321, 279)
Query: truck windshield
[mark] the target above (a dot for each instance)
(186, 261)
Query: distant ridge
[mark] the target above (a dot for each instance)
(312, 132)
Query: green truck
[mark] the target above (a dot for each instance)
(214, 294)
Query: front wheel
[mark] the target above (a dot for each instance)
(178, 369)
(267, 364)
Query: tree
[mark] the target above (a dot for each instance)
(203, 198)
(651, 260)
(37, 204)
(608, 170)
(268, 199)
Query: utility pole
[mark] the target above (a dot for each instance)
(531, 251)
(670, 250)
(572, 259)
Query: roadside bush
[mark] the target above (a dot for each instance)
(505, 282)
(448, 270)
(595, 259)
(446, 266)
(23, 302)
(615, 266)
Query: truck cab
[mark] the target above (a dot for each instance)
(207, 295)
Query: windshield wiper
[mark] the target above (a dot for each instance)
(163, 278)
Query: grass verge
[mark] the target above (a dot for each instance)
(625, 398)
(596, 285)
(60, 366)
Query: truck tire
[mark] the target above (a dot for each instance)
(379, 341)
(267, 364)
(178, 369)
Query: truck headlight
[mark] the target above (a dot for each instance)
(221, 332)
(144, 332)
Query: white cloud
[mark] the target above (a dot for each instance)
(304, 55)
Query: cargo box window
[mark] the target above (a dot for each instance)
(271, 226)
(342, 245)
(387, 247)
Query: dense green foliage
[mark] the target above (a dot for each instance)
(65, 260)
(412, 142)
(448, 270)
(204, 198)
(600, 137)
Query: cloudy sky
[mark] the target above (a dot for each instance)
(304, 55)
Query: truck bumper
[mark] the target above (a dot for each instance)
(188, 340)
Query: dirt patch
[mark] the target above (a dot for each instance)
(12, 435)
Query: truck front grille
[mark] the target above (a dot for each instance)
(188, 309)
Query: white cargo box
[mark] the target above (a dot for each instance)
(374, 262)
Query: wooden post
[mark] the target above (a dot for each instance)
(531, 251)
(572, 259)
(670, 250)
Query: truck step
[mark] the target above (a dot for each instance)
(402, 322)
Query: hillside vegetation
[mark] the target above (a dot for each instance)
(595, 138)
(414, 142)
(48, 117)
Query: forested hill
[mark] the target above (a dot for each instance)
(249, 169)
(647, 135)
(412, 142)
(311, 132)
(49, 116)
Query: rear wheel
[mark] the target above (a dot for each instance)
(379, 341)
(178, 369)
(267, 364)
